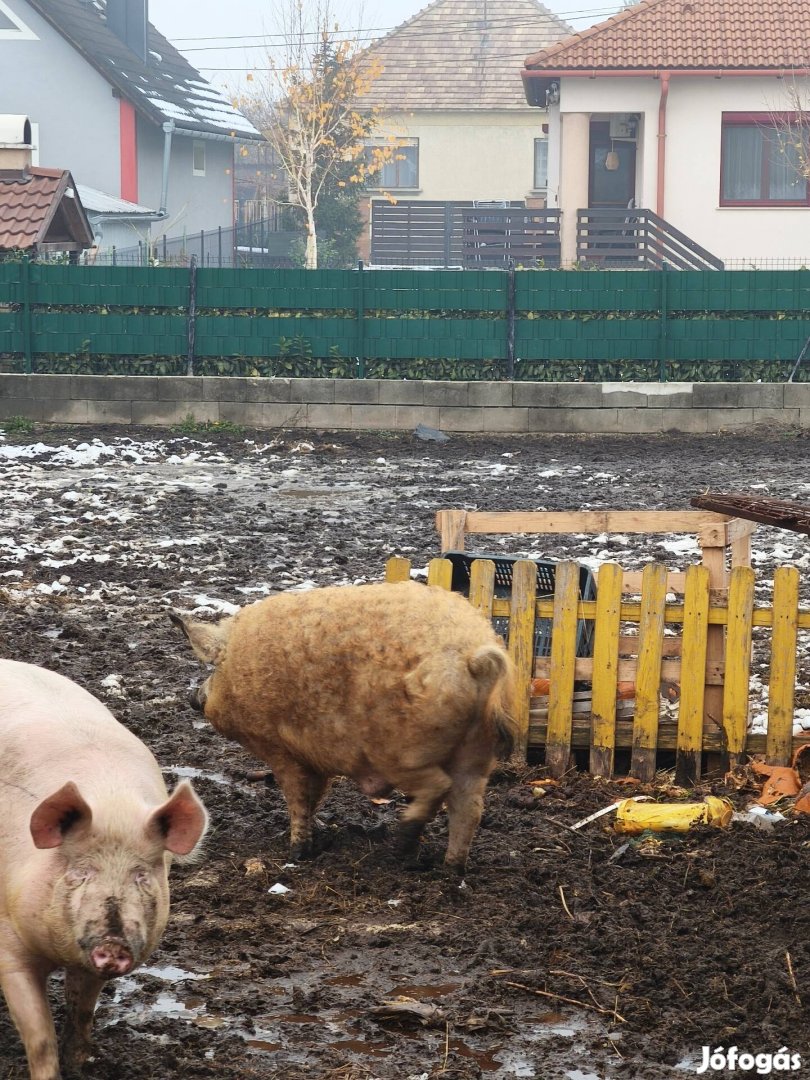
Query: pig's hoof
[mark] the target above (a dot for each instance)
(302, 851)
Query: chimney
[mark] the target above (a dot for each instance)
(15, 142)
(129, 21)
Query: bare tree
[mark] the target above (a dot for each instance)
(310, 109)
(792, 128)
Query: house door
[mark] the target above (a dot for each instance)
(611, 186)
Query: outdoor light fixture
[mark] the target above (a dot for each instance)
(611, 159)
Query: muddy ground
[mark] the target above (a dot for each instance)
(564, 954)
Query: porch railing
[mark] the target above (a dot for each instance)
(627, 238)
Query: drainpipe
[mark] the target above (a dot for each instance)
(168, 131)
(662, 143)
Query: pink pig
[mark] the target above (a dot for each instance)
(87, 834)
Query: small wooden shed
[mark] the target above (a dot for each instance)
(40, 209)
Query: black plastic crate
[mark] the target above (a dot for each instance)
(546, 571)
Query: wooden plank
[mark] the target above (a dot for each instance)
(605, 668)
(397, 569)
(592, 521)
(690, 712)
(563, 655)
(738, 662)
(713, 741)
(671, 669)
(450, 525)
(714, 559)
(440, 572)
(482, 585)
(673, 613)
(651, 635)
(521, 644)
(782, 682)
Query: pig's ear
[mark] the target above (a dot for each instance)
(181, 822)
(208, 640)
(61, 813)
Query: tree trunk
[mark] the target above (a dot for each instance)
(312, 242)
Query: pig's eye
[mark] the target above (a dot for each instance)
(142, 878)
(78, 876)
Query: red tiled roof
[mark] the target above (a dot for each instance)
(30, 201)
(689, 34)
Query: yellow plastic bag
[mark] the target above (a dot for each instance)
(635, 817)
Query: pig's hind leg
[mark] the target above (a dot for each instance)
(465, 805)
(427, 787)
(27, 999)
(81, 994)
(303, 790)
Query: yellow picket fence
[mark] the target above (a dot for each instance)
(647, 643)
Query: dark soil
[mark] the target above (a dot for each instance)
(668, 945)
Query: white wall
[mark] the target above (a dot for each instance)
(692, 181)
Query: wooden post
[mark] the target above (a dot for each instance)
(781, 687)
(738, 663)
(482, 585)
(440, 572)
(693, 676)
(563, 662)
(521, 644)
(648, 676)
(451, 527)
(605, 669)
(714, 559)
(397, 569)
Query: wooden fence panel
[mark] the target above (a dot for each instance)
(562, 672)
(605, 668)
(693, 663)
(683, 659)
(521, 643)
(782, 682)
(738, 662)
(648, 680)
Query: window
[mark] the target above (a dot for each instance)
(402, 171)
(540, 164)
(198, 158)
(764, 160)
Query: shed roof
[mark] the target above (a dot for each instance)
(689, 35)
(166, 87)
(41, 207)
(461, 55)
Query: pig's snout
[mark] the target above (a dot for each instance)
(198, 697)
(112, 957)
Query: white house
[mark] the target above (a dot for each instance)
(698, 110)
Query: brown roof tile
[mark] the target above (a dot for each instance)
(690, 34)
(461, 55)
(30, 201)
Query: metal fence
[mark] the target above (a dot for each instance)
(254, 244)
(557, 325)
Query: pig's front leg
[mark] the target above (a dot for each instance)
(26, 995)
(303, 790)
(81, 994)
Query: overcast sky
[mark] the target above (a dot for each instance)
(224, 39)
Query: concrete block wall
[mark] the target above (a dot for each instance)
(389, 405)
